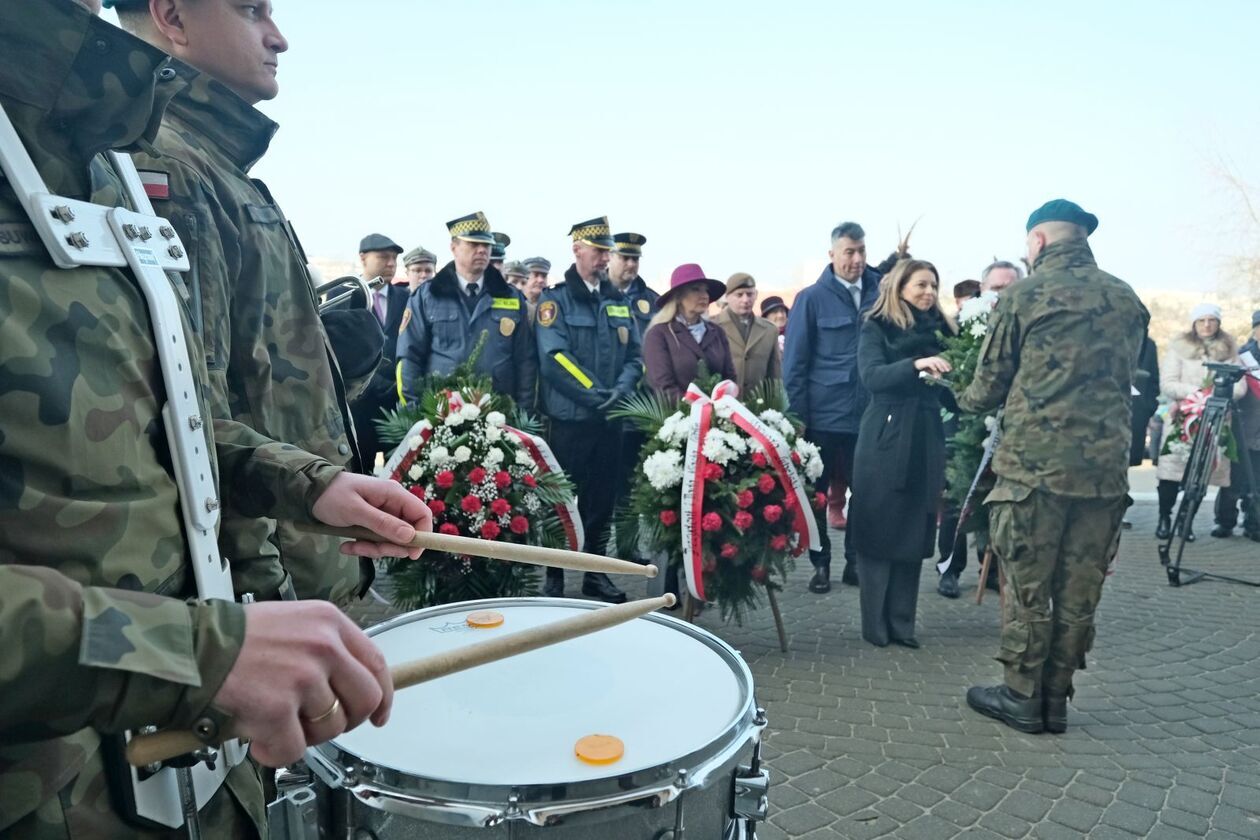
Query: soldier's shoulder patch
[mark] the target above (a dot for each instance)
(643, 306)
(157, 184)
(406, 319)
(547, 312)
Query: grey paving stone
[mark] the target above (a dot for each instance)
(1075, 815)
(1131, 818)
(1025, 805)
(1005, 825)
(802, 819)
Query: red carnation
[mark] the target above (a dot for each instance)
(449, 528)
(668, 518)
(470, 504)
(502, 479)
(711, 522)
(417, 491)
(779, 542)
(743, 519)
(444, 479)
(744, 498)
(500, 507)
(529, 480)
(436, 506)
(771, 513)
(477, 475)
(519, 524)
(789, 501)
(796, 458)
(712, 472)
(490, 531)
(729, 550)
(820, 501)
(758, 573)
(766, 483)
(759, 460)
(708, 565)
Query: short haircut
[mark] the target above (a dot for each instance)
(852, 230)
(984, 275)
(966, 288)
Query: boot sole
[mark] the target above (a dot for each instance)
(1014, 723)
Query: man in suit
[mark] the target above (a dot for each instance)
(754, 341)
(820, 372)
(379, 256)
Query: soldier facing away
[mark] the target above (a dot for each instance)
(1060, 353)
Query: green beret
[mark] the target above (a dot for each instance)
(1062, 210)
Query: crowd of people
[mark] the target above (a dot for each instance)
(96, 520)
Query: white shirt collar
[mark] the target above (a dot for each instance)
(463, 283)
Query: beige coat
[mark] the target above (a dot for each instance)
(758, 360)
(1181, 373)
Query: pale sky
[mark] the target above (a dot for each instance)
(737, 134)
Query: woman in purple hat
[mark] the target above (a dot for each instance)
(679, 337)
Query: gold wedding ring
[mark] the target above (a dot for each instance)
(332, 710)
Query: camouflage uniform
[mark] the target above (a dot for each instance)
(95, 636)
(270, 364)
(1061, 351)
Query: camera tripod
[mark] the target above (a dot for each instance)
(1194, 481)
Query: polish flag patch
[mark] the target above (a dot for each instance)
(156, 184)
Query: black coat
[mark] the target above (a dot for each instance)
(899, 463)
(1146, 381)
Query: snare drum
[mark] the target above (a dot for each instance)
(490, 752)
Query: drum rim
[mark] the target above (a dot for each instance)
(368, 779)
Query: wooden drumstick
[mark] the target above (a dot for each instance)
(149, 749)
(536, 555)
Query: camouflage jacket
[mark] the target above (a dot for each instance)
(95, 634)
(1061, 351)
(270, 364)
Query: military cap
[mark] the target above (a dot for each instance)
(474, 227)
(538, 264)
(771, 304)
(515, 268)
(740, 280)
(499, 249)
(593, 232)
(378, 242)
(629, 244)
(1062, 210)
(419, 255)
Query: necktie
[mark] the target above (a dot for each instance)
(378, 306)
(472, 290)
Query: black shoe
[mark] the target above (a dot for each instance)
(1054, 712)
(910, 642)
(598, 585)
(948, 585)
(1164, 529)
(821, 581)
(850, 575)
(1254, 536)
(998, 701)
(554, 585)
(1222, 532)
(875, 642)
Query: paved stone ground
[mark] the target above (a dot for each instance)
(1164, 737)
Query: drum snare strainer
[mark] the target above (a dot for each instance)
(494, 746)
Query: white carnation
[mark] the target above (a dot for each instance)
(496, 418)
(675, 428)
(462, 454)
(454, 418)
(439, 455)
(415, 472)
(493, 433)
(771, 416)
(470, 411)
(494, 457)
(977, 308)
(663, 469)
(524, 458)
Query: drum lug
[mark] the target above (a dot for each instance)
(294, 815)
(751, 799)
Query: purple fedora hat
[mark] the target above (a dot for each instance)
(686, 275)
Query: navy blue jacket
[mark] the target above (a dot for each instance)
(588, 346)
(441, 329)
(820, 353)
(642, 303)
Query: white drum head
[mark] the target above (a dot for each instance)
(662, 691)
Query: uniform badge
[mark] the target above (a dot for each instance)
(406, 319)
(623, 334)
(547, 311)
(157, 185)
(506, 327)
(644, 306)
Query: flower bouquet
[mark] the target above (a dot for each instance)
(481, 477)
(1185, 418)
(719, 490)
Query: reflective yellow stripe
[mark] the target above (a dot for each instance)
(398, 378)
(618, 311)
(574, 370)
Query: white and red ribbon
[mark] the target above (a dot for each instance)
(546, 462)
(778, 454)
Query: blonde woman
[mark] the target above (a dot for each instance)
(681, 337)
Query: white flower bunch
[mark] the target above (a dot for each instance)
(494, 457)
(523, 458)
(415, 472)
(470, 411)
(778, 422)
(664, 469)
(438, 455)
(462, 454)
(493, 434)
(496, 419)
(811, 458)
(978, 328)
(722, 447)
(675, 429)
(454, 418)
(978, 307)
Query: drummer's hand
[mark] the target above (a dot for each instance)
(298, 657)
(381, 506)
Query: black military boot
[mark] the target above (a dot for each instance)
(1054, 711)
(948, 585)
(1164, 529)
(1015, 710)
(1222, 532)
(850, 575)
(554, 585)
(599, 585)
(821, 581)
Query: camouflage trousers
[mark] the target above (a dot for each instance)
(1054, 551)
(83, 810)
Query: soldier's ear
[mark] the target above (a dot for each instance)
(168, 20)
